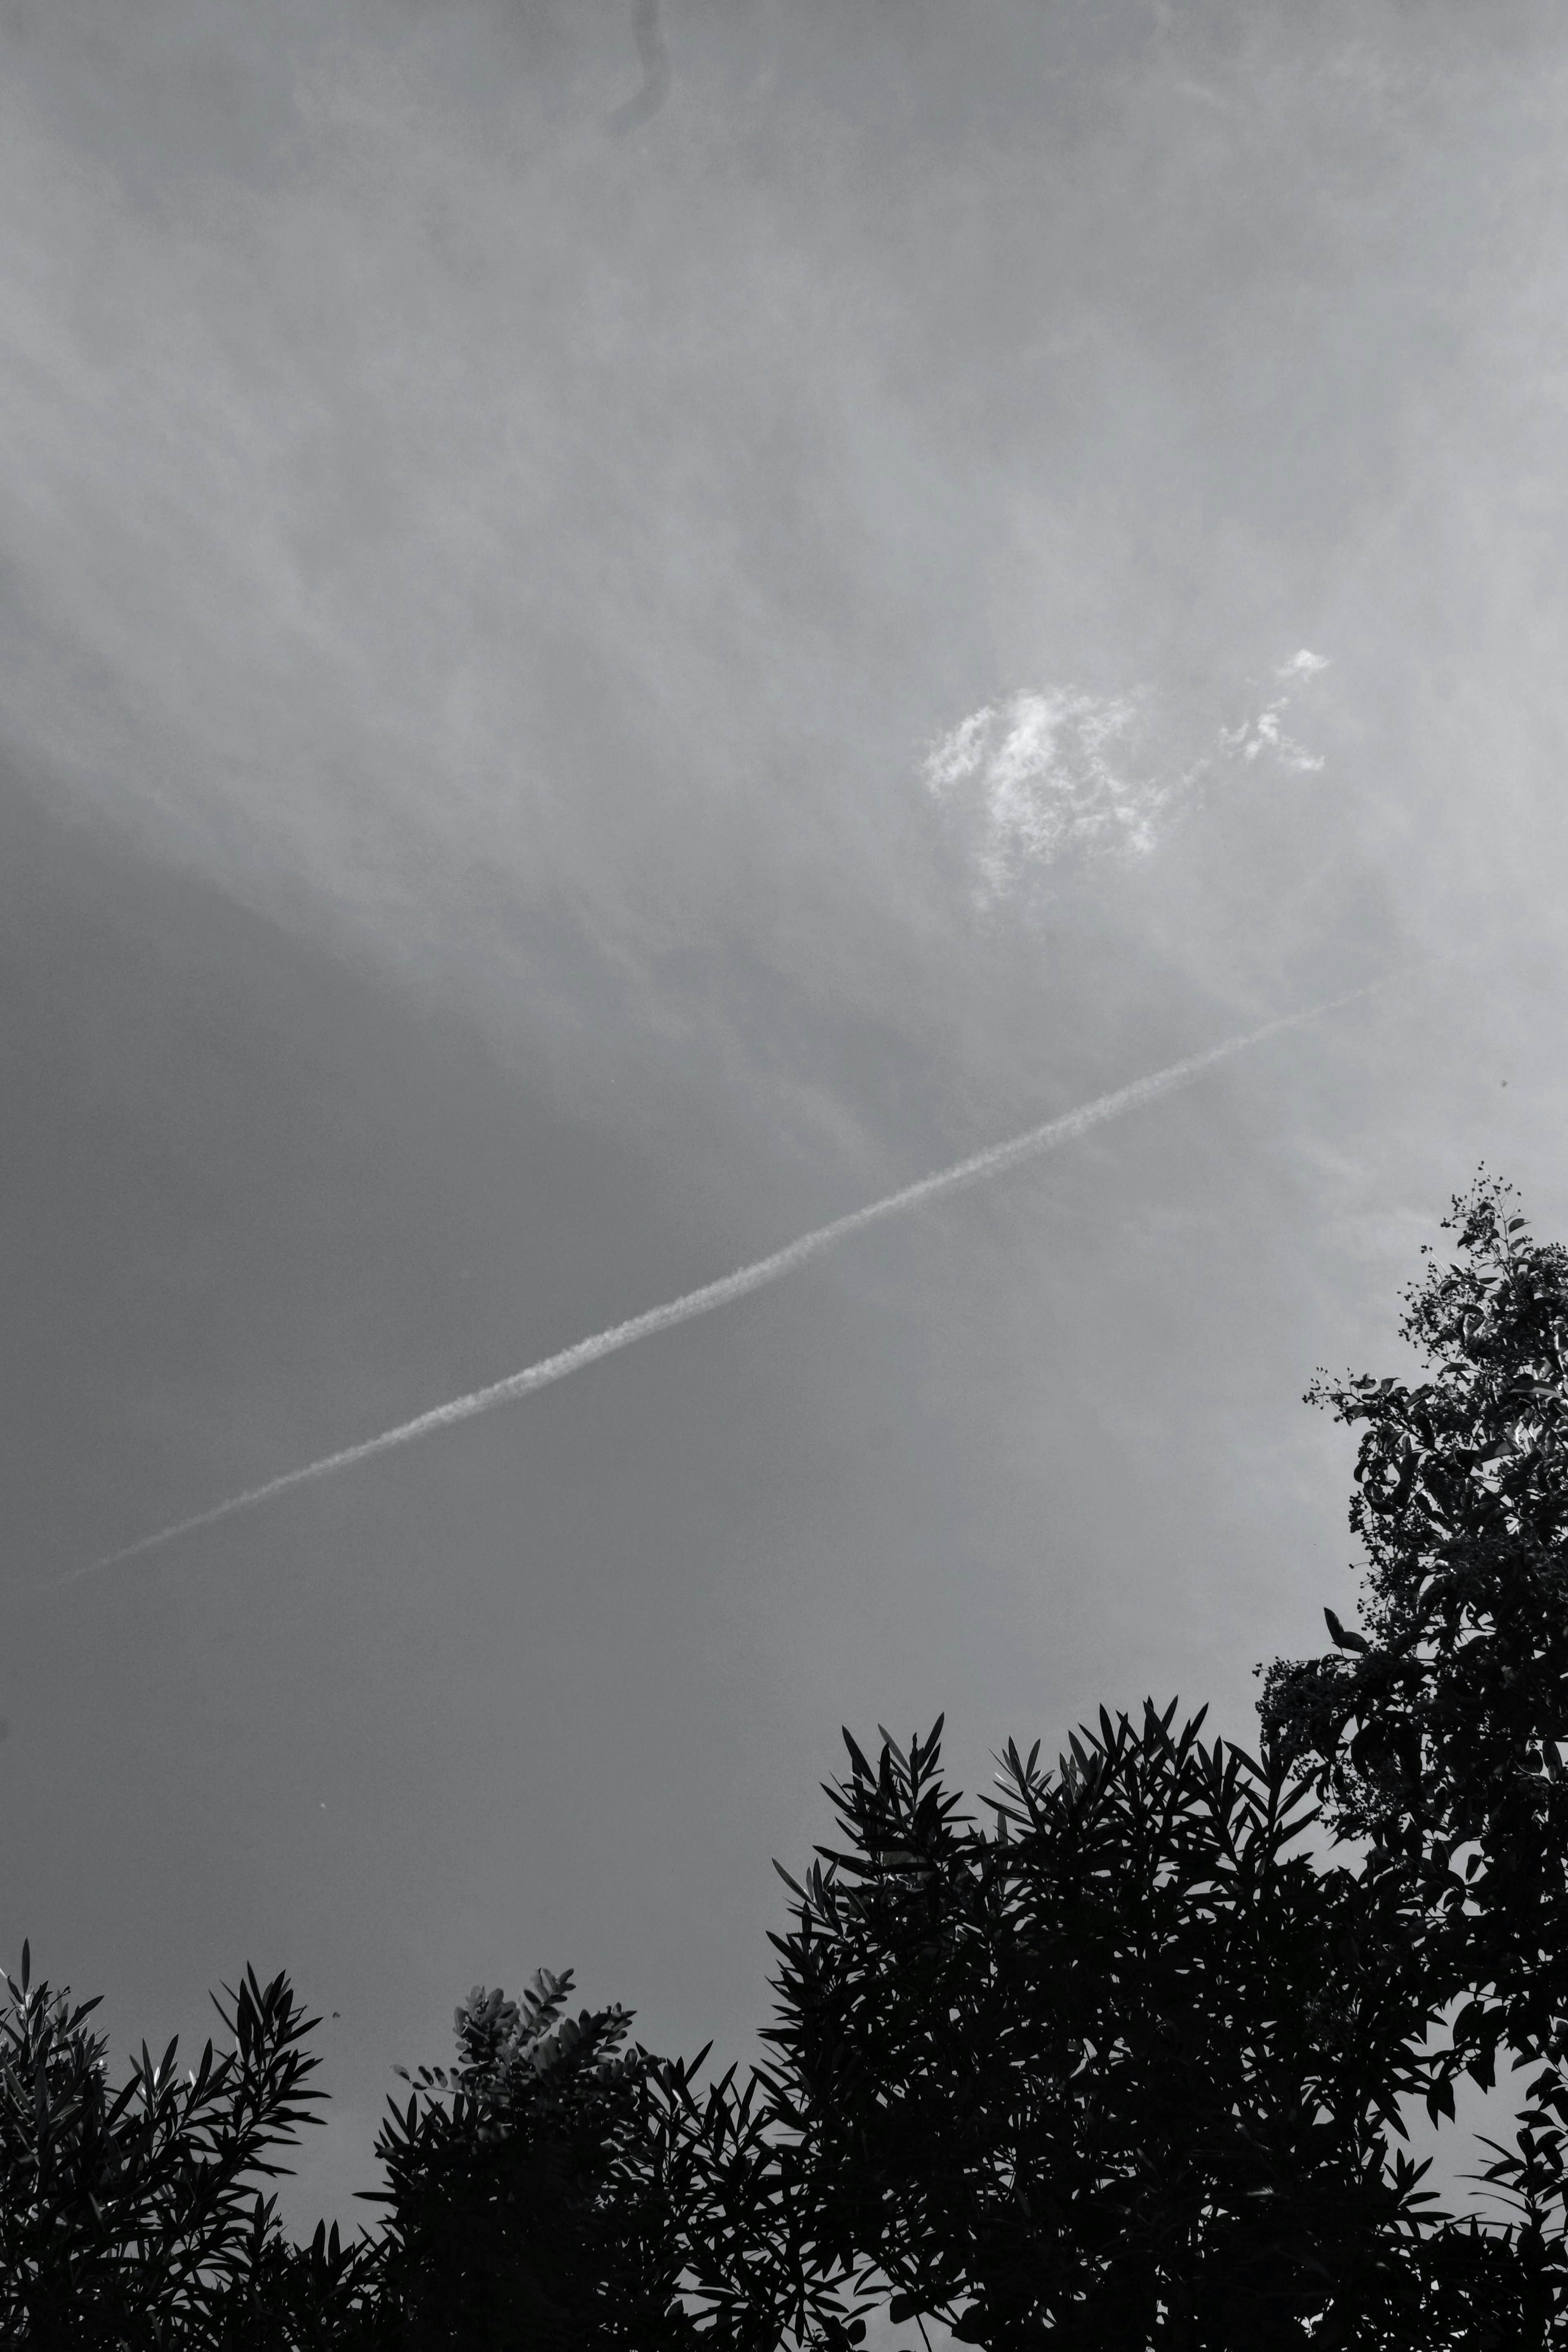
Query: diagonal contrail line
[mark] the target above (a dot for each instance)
(747, 1278)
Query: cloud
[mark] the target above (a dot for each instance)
(1045, 774)
(654, 58)
(1051, 774)
(1265, 733)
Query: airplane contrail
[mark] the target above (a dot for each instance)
(993, 1161)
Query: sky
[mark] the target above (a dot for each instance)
(611, 647)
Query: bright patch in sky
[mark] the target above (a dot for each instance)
(1265, 733)
(1045, 771)
(1050, 772)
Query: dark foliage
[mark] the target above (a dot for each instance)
(1439, 1726)
(1435, 1731)
(536, 2192)
(1119, 2069)
(132, 2218)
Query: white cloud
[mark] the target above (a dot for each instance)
(1045, 772)
(1265, 733)
(1050, 773)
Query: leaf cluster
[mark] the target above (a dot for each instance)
(1121, 2066)
(1435, 1731)
(534, 2190)
(133, 2217)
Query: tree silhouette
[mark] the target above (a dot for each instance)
(133, 2217)
(535, 2191)
(1435, 1731)
(1121, 2067)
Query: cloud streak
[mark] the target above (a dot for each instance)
(993, 1161)
(654, 58)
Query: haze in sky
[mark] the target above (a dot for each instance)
(622, 630)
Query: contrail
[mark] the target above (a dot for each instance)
(746, 1279)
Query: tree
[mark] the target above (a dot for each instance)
(132, 2218)
(1435, 1730)
(1122, 2068)
(536, 2192)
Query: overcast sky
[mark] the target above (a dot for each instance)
(598, 666)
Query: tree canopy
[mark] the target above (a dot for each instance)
(1120, 2067)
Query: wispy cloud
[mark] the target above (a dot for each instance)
(1047, 773)
(1055, 775)
(1264, 734)
(654, 58)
